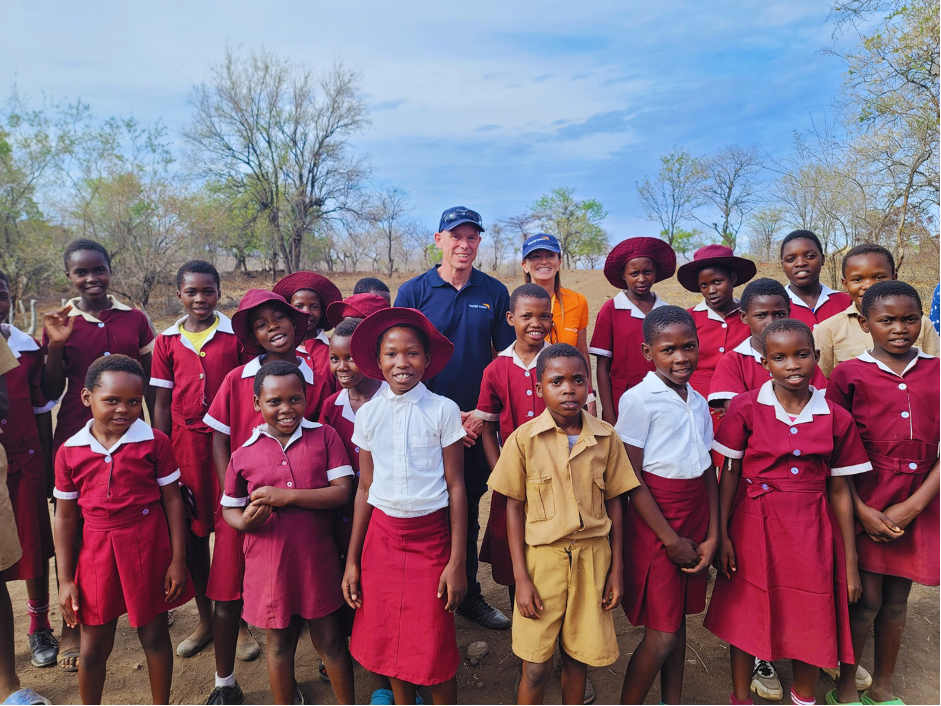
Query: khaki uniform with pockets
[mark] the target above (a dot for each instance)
(10, 550)
(568, 555)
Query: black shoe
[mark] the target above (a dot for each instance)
(43, 648)
(226, 695)
(475, 608)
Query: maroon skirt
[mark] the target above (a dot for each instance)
(495, 546)
(656, 593)
(227, 569)
(403, 630)
(26, 483)
(192, 450)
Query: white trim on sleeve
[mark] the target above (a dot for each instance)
(149, 348)
(166, 480)
(713, 396)
(226, 501)
(851, 470)
(62, 495)
(157, 382)
(726, 451)
(339, 472)
(486, 416)
(215, 424)
(600, 351)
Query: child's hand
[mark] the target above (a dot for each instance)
(854, 587)
(878, 526)
(902, 514)
(454, 581)
(707, 552)
(613, 590)
(58, 325)
(527, 600)
(254, 516)
(269, 495)
(473, 426)
(683, 553)
(68, 602)
(725, 557)
(351, 586)
(175, 581)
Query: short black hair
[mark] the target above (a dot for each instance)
(197, 267)
(557, 350)
(764, 287)
(799, 234)
(115, 363)
(278, 368)
(85, 244)
(783, 326)
(885, 289)
(347, 326)
(422, 336)
(869, 249)
(3, 276)
(663, 317)
(530, 291)
(369, 285)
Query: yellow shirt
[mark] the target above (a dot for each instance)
(199, 338)
(569, 314)
(564, 490)
(840, 338)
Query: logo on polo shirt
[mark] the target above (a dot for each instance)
(479, 306)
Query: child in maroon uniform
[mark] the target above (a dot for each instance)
(123, 476)
(811, 301)
(635, 264)
(191, 359)
(280, 487)
(892, 393)
(787, 552)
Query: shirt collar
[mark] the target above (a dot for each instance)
(262, 430)
(413, 395)
(254, 365)
(851, 310)
(815, 406)
(321, 336)
(867, 357)
(591, 426)
(711, 313)
(652, 383)
(510, 352)
(825, 293)
(138, 431)
(745, 348)
(224, 325)
(622, 302)
(75, 311)
(437, 281)
(343, 400)
(20, 342)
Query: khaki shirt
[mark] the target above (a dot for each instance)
(10, 551)
(840, 338)
(564, 490)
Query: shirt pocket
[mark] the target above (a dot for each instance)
(424, 452)
(539, 499)
(597, 497)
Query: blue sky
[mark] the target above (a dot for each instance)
(487, 104)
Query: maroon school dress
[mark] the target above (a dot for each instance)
(119, 329)
(125, 553)
(232, 413)
(26, 475)
(787, 599)
(316, 351)
(619, 332)
(194, 378)
(508, 396)
(897, 418)
(829, 303)
(292, 566)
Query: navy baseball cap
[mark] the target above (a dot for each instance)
(541, 241)
(454, 217)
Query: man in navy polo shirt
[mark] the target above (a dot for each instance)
(469, 308)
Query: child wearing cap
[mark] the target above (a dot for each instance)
(633, 266)
(405, 570)
(802, 260)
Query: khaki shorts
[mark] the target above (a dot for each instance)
(569, 576)
(10, 551)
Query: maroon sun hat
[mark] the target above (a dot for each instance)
(257, 297)
(327, 290)
(654, 248)
(369, 332)
(358, 305)
(710, 256)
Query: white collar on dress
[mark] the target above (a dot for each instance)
(510, 352)
(262, 429)
(20, 342)
(413, 395)
(710, 312)
(254, 365)
(866, 357)
(746, 348)
(137, 432)
(75, 311)
(343, 400)
(624, 304)
(825, 293)
(321, 336)
(225, 325)
(816, 405)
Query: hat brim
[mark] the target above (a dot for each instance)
(340, 310)
(367, 334)
(688, 275)
(452, 226)
(547, 248)
(241, 328)
(326, 289)
(657, 250)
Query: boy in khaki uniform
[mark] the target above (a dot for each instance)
(562, 474)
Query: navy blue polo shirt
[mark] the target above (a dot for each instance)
(471, 319)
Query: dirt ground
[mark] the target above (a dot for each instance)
(492, 682)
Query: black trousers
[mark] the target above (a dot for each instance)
(476, 473)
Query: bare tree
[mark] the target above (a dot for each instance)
(387, 217)
(729, 185)
(675, 192)
(764, 224)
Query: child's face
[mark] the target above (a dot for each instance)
(863, 271)
(89, 273)
(542, 265)
(764, 309)
(199, 295)
(801, 262)
(894, 323)
(532, 320)
(342, 365)
(790, 357)
(272, 328)
(675, 354)
(117, 402)
(564, 386)
(717, 285)
(402, 359)
(308, 301)
(5, 301)
(281, 403)
(639, 275)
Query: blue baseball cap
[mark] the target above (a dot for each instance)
(541, 241)
(453, 217)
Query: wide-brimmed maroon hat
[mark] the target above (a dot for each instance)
(654, 248)
(358, 305)
(327, 290)
(710, 256)
(257, 297)
(369, 332)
